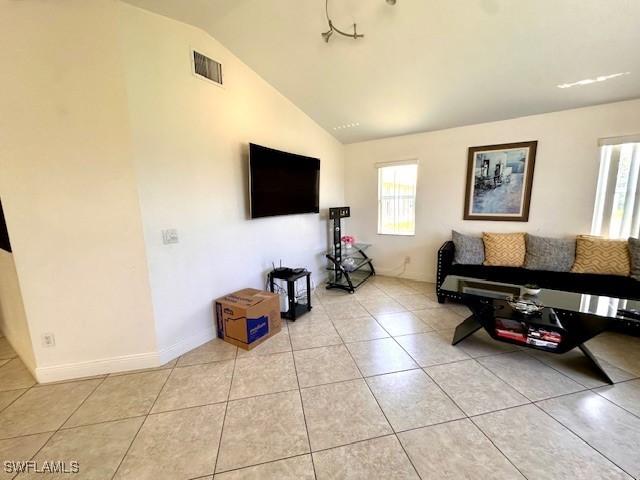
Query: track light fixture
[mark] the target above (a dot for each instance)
(332, 28)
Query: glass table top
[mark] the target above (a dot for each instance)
(571, 301)
(353, 251)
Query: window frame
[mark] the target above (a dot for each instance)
(398, 163)
(612, 153)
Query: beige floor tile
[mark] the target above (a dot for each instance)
(6, 350)
(480, 344)
(474, 388)
(44, 409)
(416, 301)
(541, 448)
(341, 413)
(295, 468)
(578, 367)
(330, 296)
(262, 429)
(381, 306)
(620, 350)
(458, 309)
(431, 349)
(345, 310)
(411, 399)
(213, 351)
(531, 378)
(425, 288)
(19, 449)
(278, 343)
(175, 445)
(120, 397)
(98, 449)
(377, 458)
(313, 334)
(322, 365)
(6, 398)
(626, 395)
(380, 280)
(439, 318)
(79, 379)
(14, 375)
(402, 323)
(456, 450)
(169, 365)
(369, 291)
(380, 356)
(261, 375)
(359, 329)
(395, 290)
(419, 285)
(195, 385)
(612, 431)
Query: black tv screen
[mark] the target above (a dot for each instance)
(282, 183)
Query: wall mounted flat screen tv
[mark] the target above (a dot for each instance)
(282, 183)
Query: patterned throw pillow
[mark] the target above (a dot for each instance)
(601, 255)
(469, 250)
(634, 250)
(550, 254)
(504, 249)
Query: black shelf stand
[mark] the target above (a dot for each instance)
(290, 276)
(343, 276)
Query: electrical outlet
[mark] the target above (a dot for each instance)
(48, 340)
(169, 235)
(407, 260)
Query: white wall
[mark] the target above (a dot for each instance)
(564, 181)
(68, 187)
(13, 321)
(190, 154)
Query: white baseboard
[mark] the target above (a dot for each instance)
(408, 275)
(187, 344)
(69, 371)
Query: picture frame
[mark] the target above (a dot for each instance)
(499, 182)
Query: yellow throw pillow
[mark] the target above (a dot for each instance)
(504, 249)
(601, 255)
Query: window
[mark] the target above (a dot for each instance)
(397, 198)
(617, 209)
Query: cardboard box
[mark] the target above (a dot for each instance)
(248, 317)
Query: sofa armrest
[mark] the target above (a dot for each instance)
(445, 260)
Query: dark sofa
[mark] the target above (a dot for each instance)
(607, 285)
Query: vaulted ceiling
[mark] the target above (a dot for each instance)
(427, 64)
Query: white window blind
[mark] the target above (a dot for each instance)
(397, 198)
(617, 208)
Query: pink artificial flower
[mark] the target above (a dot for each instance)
(348, 240)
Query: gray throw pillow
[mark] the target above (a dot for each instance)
(469, 250)
(634, 250)
(550, 254)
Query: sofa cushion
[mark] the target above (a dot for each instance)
(469, 250)
(550, 254)
(602, 256)
(634, 251)
(504, 249)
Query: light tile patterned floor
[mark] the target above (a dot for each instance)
(366, 386)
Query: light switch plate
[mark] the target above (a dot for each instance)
(169, 236)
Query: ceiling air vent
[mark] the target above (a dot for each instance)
(207, 68)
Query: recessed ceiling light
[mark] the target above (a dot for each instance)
(589, 81)
(347, 125)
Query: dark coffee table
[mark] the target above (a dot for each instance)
(566, 322)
